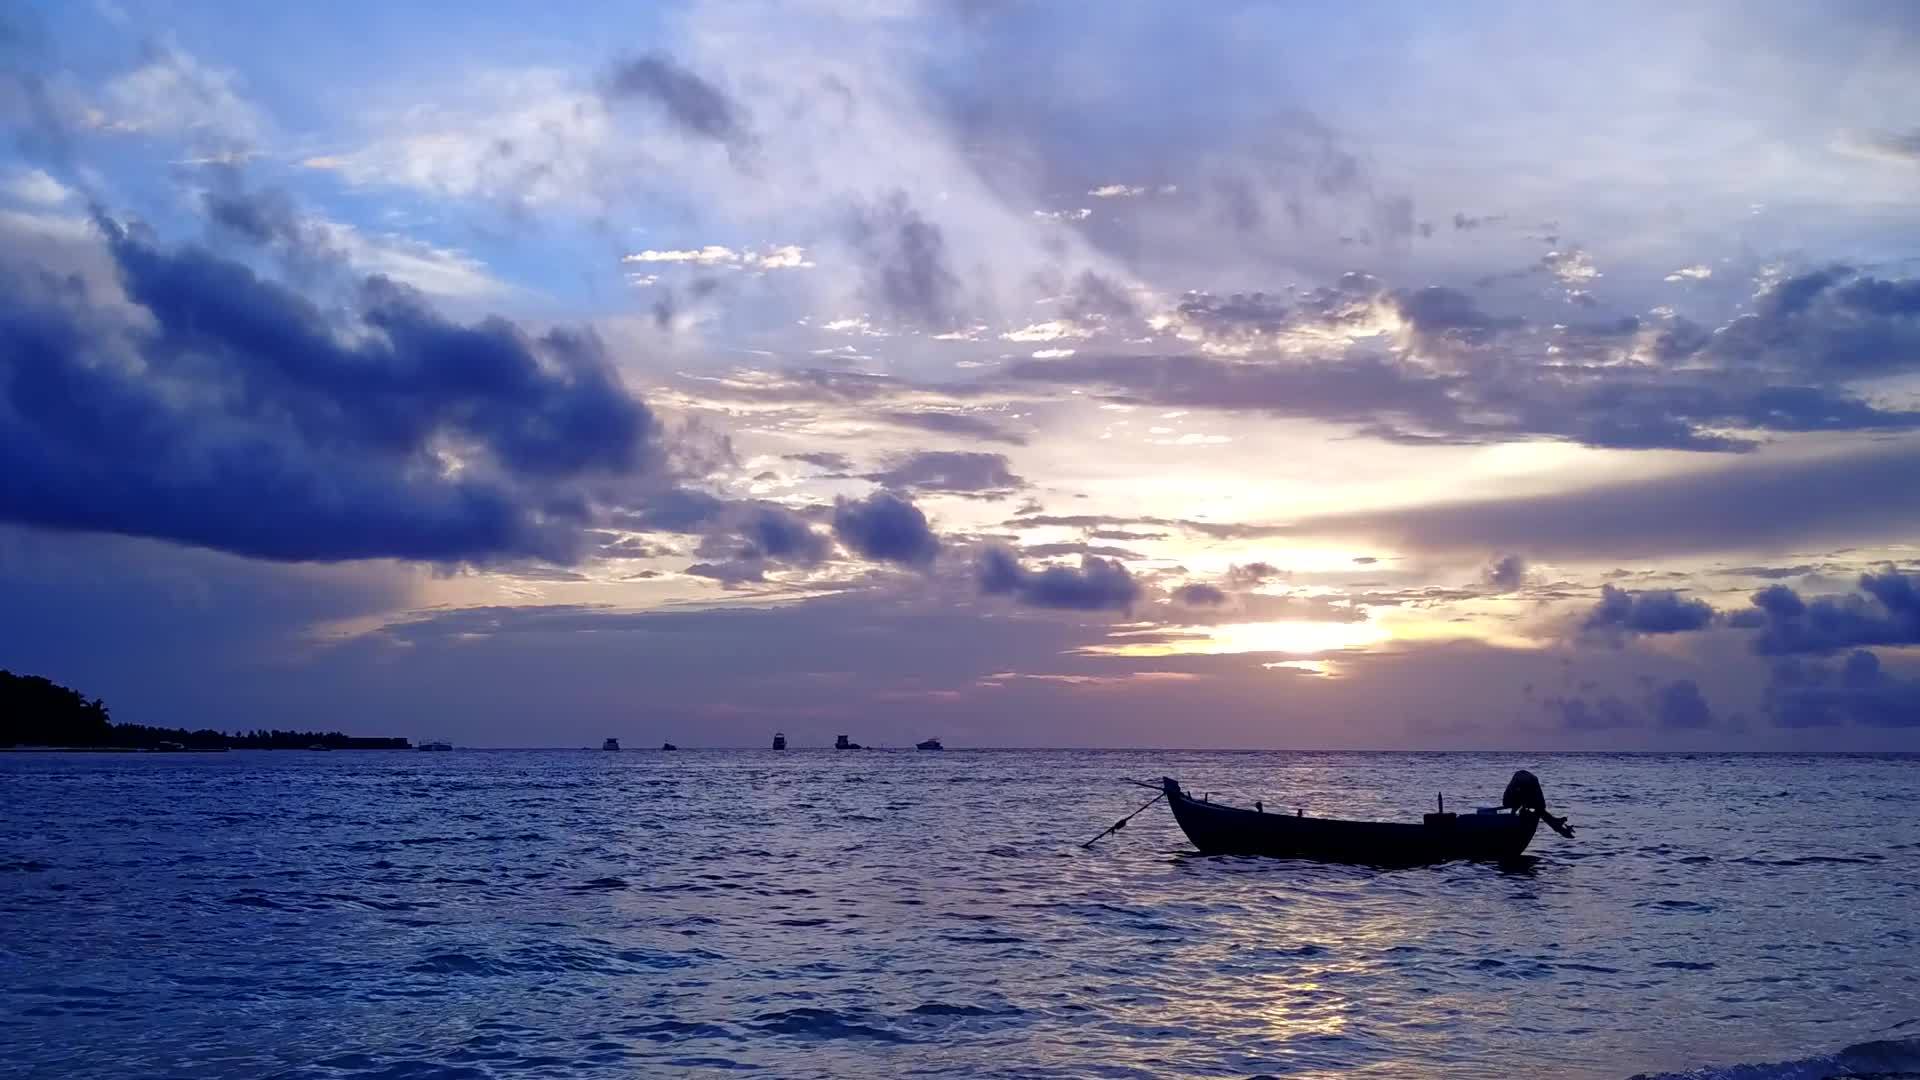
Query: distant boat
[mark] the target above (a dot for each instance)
(668, 746)
(841, 743)
(434, 744)
(610, 744)
(169, 747)
(319, 746)
(930, 744)
(1218, 829)
(779, 741)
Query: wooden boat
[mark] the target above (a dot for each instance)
(1218, 829)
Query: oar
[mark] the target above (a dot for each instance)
(1122, 823)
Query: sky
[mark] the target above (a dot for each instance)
(1462, 376)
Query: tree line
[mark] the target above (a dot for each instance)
(36, 711)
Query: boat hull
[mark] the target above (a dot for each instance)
(1230, 830)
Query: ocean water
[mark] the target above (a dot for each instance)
(888, 913)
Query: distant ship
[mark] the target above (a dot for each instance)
(610, 744)
(841, 743)
(779, 741)
(668, 746)
(930, 744)
(435, 744)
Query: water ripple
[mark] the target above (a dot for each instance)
(326, 916)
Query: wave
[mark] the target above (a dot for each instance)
(1885, 1057)
(824, 1024)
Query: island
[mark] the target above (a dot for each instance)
(38, 713)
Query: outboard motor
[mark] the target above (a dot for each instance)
(1523, 793)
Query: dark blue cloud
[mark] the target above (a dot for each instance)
(235, 414)
(1858, 690)
(1886, 611)
(779, 533)
(1505, 574)
(1098, 585)
(1200, 594)
(694, 105)
(1655, 612)
(886, 527)
(1253, 573)
(1680, 704)
(960, 472)
(904, 262)
(965, 425)
(1829, 324)
(746, 537)
(1605, 713)
(1437, 309)
(823, 459)
(679, 511)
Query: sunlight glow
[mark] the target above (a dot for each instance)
(1299, 638)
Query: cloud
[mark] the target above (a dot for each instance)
(966, 425)
(960, 472)
(35, 188)
(682, 510)
(392, 432)
(1660, 611)
(1405, 402)
(1829, 324)
(823, 459)
(1886, 611)
(1098, 300)
(694, 105)
(886, 527)
(773, 257)
(1222, 530)
(1438, 310)
(1898, 147)
(904, 263)
(1253, 573)
(1605, 713)
(1752, 505)
(1429, 365)
(1859, 690)
(1680, 705)
(312, 247)
(1098, 585)
(1505, 574)
(1199, 594)
(1357, 390)
(172, 93)
(757, 532)
(730, 574)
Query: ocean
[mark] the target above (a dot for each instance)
(898, 913)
